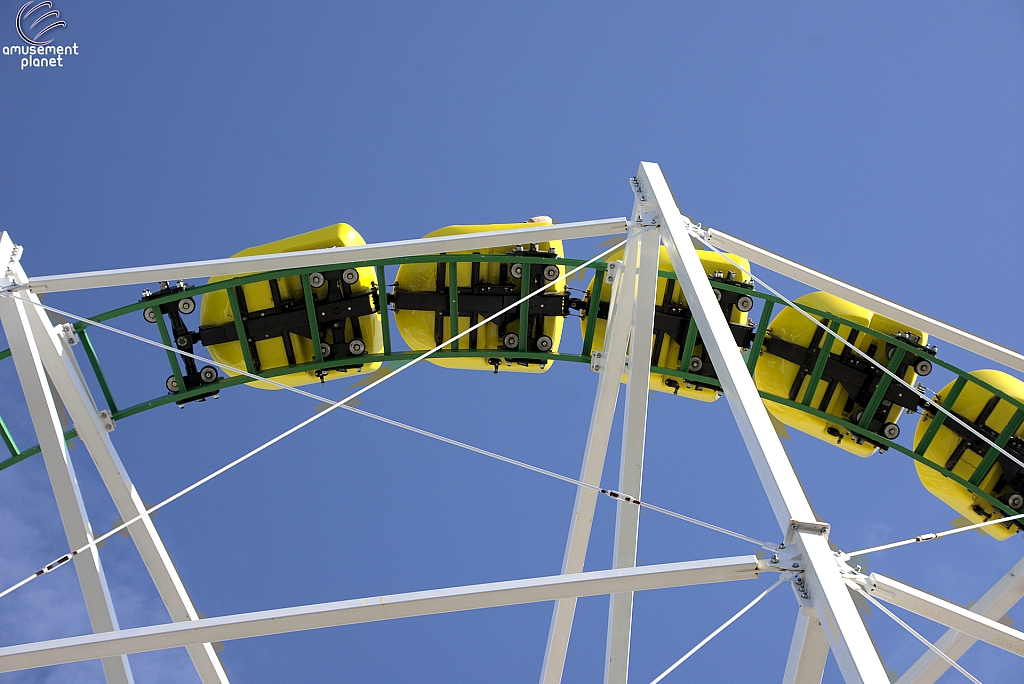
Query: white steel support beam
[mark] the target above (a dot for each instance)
(816, 279)
(610, 363)
(320, 257)
(60, 365)
(994, 604)
(42, 409)
(942, 611)
(808, 650)
(848, 637)
(377, 608)
(634, 431)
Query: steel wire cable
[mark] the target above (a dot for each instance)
(933, 535)
(910, 629)
(718, 631)
(343, 404)
(695, 230)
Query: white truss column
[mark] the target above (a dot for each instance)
(847, 636)
(73, 515)
(610, 363)
(63, 370)
(808, 650)
(1003, 595)
(634, 430)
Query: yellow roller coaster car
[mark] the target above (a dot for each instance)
(672, 319)
(275, 318)
(422, 303)
(957, 449)
(847, 381)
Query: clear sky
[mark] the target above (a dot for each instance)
(879, 142)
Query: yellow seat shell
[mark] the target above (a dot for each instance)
(969, 404)
(215, 310)
(775, 375)
(417, 327)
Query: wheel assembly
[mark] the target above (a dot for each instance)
(186, 305)
(208, 374)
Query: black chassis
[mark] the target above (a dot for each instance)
(288, 317)
(481, 300)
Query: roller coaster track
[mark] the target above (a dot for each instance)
(769, 306)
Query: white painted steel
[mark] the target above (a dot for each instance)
(63, 371)
(612, 364)
(1003, 595)
(43, 411)
(377, 608)
(319, 257)
(942, 611)
(816, 279)
(808, 651)
(847, 635)
(634, 431)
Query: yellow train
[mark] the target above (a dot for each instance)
(827, 385)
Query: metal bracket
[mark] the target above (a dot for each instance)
(614, 268)
(67, 331)
(107, 420)
(796, 526)
(788, 559)
(596, 361)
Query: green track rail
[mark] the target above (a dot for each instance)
(771, 305)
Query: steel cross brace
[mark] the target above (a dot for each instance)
(319, 257)
(57, 359)
(939, 610)
(994, 604)
(376, 608)
(847, 636)
(826, 283)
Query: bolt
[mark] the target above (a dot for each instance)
(796, 565)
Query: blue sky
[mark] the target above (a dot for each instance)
(881, 143)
